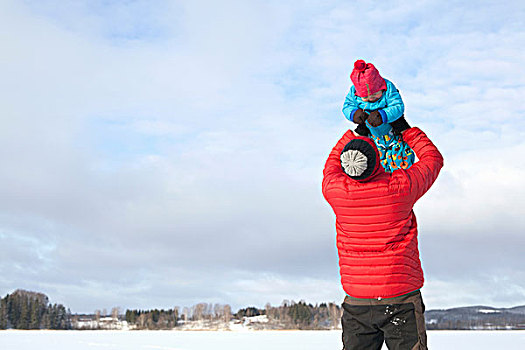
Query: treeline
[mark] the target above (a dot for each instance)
(29, 310)
(307, 316)
(152, 319)
(290, 315)
(171, 318)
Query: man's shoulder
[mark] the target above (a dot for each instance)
(399, 181)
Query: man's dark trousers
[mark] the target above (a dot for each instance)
(399, 322)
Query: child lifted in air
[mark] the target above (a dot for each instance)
(375, 105)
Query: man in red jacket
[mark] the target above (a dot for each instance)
(377, 240)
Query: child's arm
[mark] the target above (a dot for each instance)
(395, 106)
(350, 105)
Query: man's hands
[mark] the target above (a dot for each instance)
(362, 130)
(400, 125)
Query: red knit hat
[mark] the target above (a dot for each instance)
(366, 79)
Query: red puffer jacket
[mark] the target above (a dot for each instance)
(376, 227)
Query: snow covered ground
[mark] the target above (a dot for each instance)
(262, 340)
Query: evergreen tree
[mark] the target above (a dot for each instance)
(35, 316)
(300, 314)
(3, 314)
(30, 310)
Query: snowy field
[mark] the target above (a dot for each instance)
(263, 340)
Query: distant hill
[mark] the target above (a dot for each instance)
(476, 317)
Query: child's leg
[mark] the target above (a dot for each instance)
(400, 155)
(383, 146)
(394, 153)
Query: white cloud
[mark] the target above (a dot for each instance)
(479, 190)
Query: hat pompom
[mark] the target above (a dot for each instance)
(359, 159)
(354, 163)
(360, 65)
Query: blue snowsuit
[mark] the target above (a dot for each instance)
(394, 152)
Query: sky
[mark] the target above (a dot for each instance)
(164, 153)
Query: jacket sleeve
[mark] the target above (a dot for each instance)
(332, 170)
(395, 108)
(424, 172)
(350, 105)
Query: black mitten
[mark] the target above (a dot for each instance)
(399, 125)
(362, 130)
(360, 116)
(375, 118)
